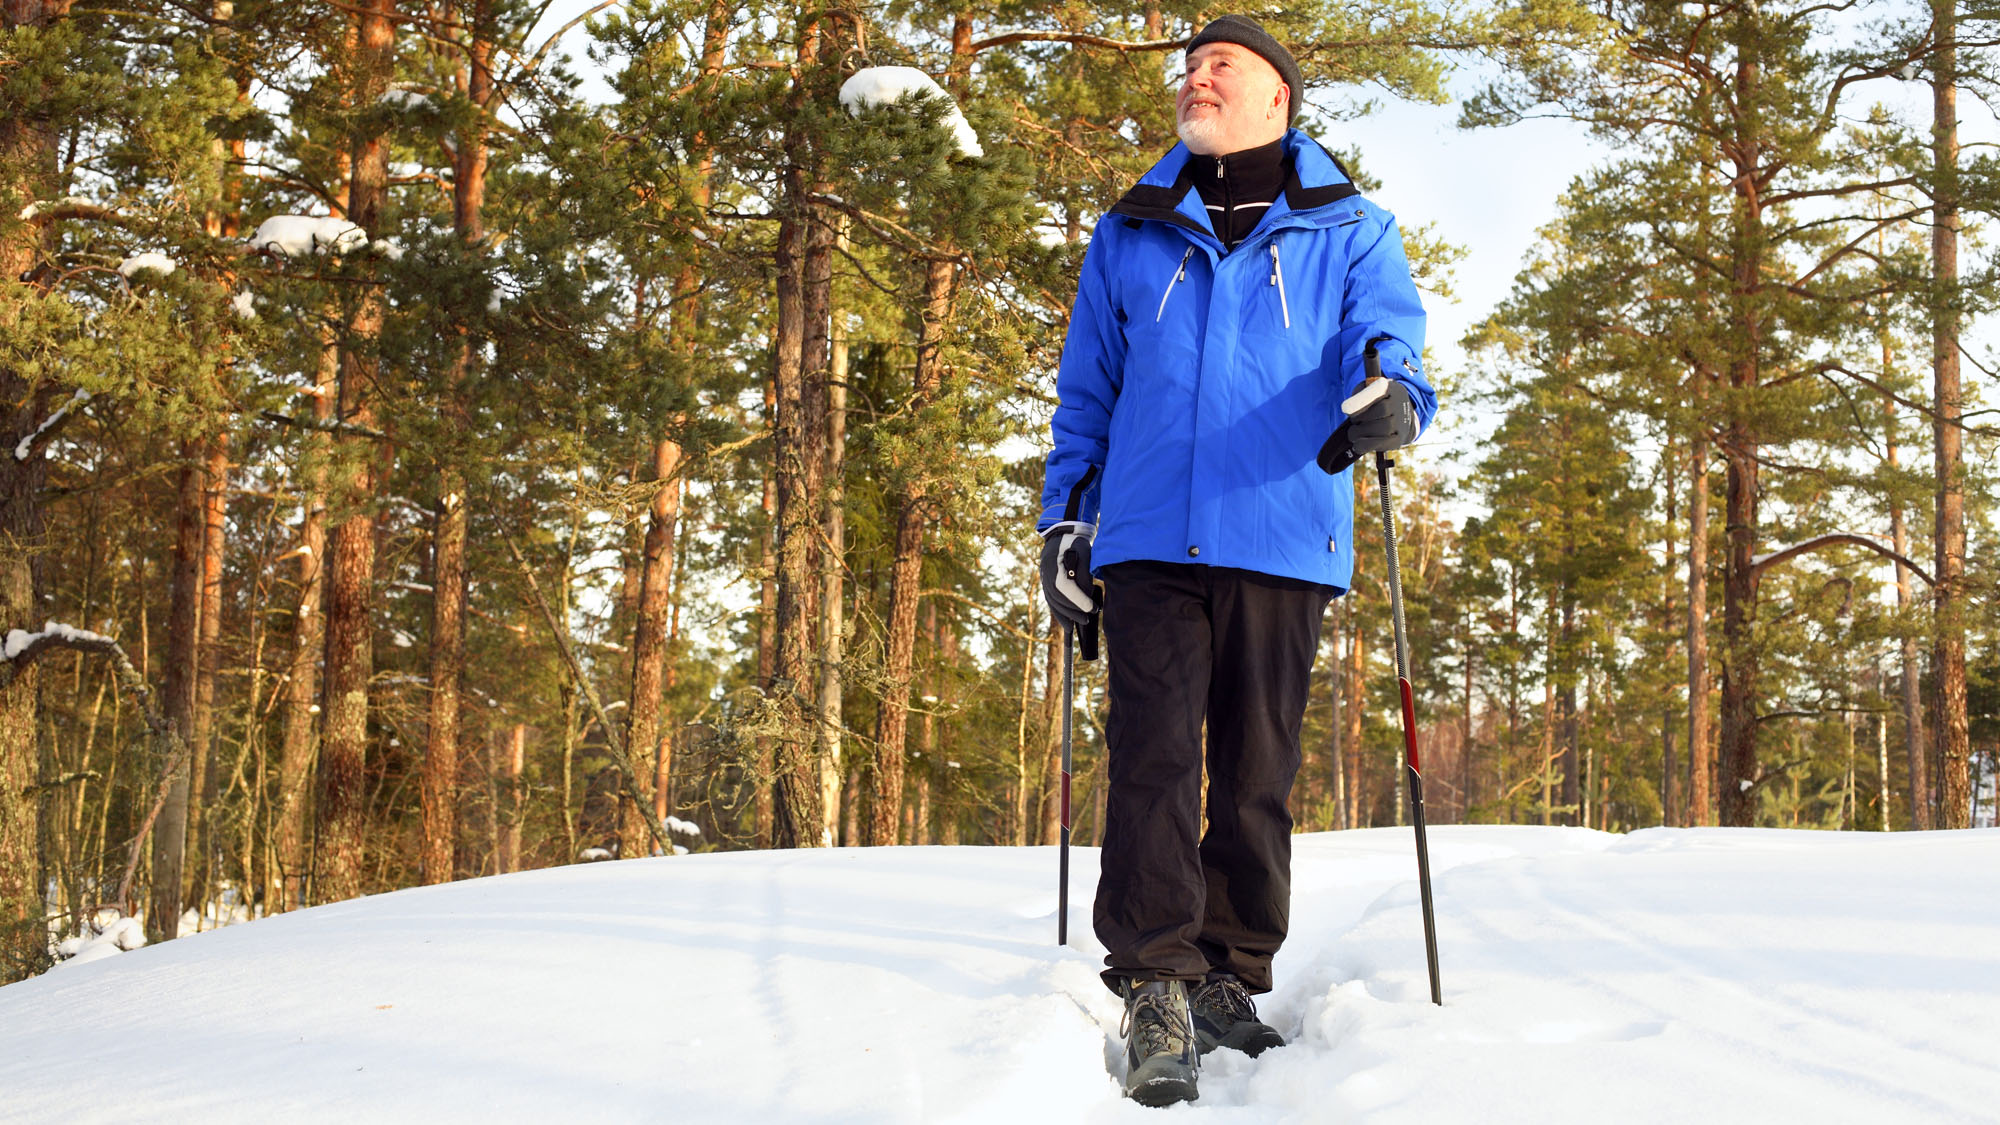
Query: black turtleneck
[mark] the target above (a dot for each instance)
(1239, 187)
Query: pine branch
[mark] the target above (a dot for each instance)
(614, 737)
(1824, 369)
(1077, 39)
(327, 427)
(1758, 566)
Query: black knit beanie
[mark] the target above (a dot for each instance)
(1249, 34)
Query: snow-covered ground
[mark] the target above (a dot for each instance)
(1673, 976)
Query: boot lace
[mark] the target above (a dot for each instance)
(1228, 996)
(1161, 1026)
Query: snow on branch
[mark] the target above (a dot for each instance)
(42, 212)
(406, 99)
(1761, 562)
(295, 236)
(877, 87)
(21, 647)
(150, 261)
(25, 448)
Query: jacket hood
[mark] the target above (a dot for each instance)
(1314, 181)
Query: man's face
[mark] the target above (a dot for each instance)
(1230, 100)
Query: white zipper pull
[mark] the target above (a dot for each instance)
(1278, 279)
(1180, 275)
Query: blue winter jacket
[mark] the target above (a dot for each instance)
(1197, 387)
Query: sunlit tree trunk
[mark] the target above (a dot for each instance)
(913, 511)
(1701, 755)
(450, 517)
(650, 753)
(214, 513)
(350, 651)
(833, 625)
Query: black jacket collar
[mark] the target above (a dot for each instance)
(1155, 198)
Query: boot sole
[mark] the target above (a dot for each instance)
(1163, 1092)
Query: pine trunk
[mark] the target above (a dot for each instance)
(1669, 768)
(1954, 790)
(1741, 444)
(510, 796)
(1572, 784)
(350, 650)
(447, 674)
(27, 173)
(764, 763)
(450, 518)
(214, 513)
(833, 625)
(163, 911)
(650, 753)
(1701, 754)
(1910, 680)
(799, 821)
(913, 511)
(302, 709)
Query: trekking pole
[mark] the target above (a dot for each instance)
(1088, 642)
(1069, 704)
(1412, 769)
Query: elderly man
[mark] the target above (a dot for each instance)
(1224, 310)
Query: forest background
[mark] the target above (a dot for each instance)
(419, 464)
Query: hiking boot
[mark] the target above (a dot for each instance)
(1225, 1017)
(1160, 1056)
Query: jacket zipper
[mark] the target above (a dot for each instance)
(1180, 275)
(1278, 279)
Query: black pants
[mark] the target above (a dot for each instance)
(1189, 643)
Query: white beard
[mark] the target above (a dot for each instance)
(1200, 132)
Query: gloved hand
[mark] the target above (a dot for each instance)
(1066, 571)
(1390, 422)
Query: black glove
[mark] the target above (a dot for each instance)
(1390, 422)
(1066, 572)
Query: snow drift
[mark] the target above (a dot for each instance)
(1667, 976)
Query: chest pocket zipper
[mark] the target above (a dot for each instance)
(1180, 275)
(1278, 279)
